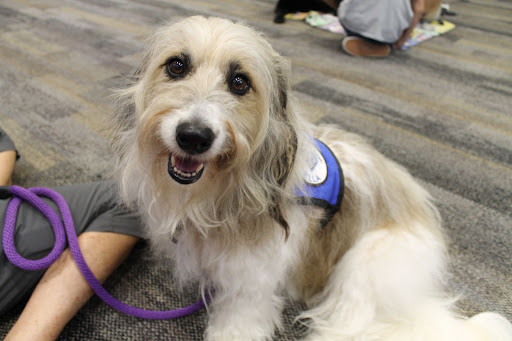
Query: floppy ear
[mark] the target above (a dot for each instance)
(287, 122)
(121, 122)
(281, 169)
(282, 71)
(282, 165)
(122, 119)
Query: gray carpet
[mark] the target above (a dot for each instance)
(443, 109)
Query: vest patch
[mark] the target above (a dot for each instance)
(316, 174)
(325, 184)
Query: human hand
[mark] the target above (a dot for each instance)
(399, 44)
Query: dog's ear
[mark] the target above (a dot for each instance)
(285, 120)
(123, 117)
(281, 171)
(121, 122)
(287, 136)
(282, 72)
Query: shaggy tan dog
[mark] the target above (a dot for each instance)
(212, 150)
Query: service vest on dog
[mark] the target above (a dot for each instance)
(324, 182)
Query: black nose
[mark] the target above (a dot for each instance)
(194, 138)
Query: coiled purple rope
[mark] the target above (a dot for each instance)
(60, 231)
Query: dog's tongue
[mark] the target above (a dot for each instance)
(186, 165)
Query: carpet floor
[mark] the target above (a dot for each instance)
(442, 109)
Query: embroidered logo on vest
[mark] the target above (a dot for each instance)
(317, 172)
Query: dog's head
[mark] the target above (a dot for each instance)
(209, 112)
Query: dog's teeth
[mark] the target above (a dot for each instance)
(182, 173)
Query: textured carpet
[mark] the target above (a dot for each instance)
(443, 109)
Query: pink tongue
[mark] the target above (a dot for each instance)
(187, 165)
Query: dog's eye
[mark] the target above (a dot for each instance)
(175, 67)
(239, 84)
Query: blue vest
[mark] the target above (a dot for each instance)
(324, 182)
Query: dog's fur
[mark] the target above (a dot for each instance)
(376, 272)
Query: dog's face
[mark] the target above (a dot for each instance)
(207, 129)
(206, 99)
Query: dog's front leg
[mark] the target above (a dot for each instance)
(246, 304)
(244, 315)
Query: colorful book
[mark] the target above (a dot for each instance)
(324, 21)
(426, 31)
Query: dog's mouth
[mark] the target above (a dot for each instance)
(184, 170)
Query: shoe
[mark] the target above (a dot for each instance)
(360, 47)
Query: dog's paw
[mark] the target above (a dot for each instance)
(233, 335)
(236, 333)
(244, 319)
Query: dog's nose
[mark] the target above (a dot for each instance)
(194, 138)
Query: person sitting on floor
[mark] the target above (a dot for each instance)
(107, 233)
(374, 27)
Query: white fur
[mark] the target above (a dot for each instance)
(380, 267)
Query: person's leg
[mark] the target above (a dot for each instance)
(7, 161)
(107, 232)
(357, 45)
(94, 208)
(63, 291)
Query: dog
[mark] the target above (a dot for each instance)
(284, 7)
(212, 150)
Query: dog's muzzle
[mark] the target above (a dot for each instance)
(193, 139)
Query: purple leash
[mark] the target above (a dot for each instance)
(60, 231)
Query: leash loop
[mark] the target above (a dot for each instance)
(61, 230)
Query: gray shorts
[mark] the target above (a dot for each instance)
(94, 207)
